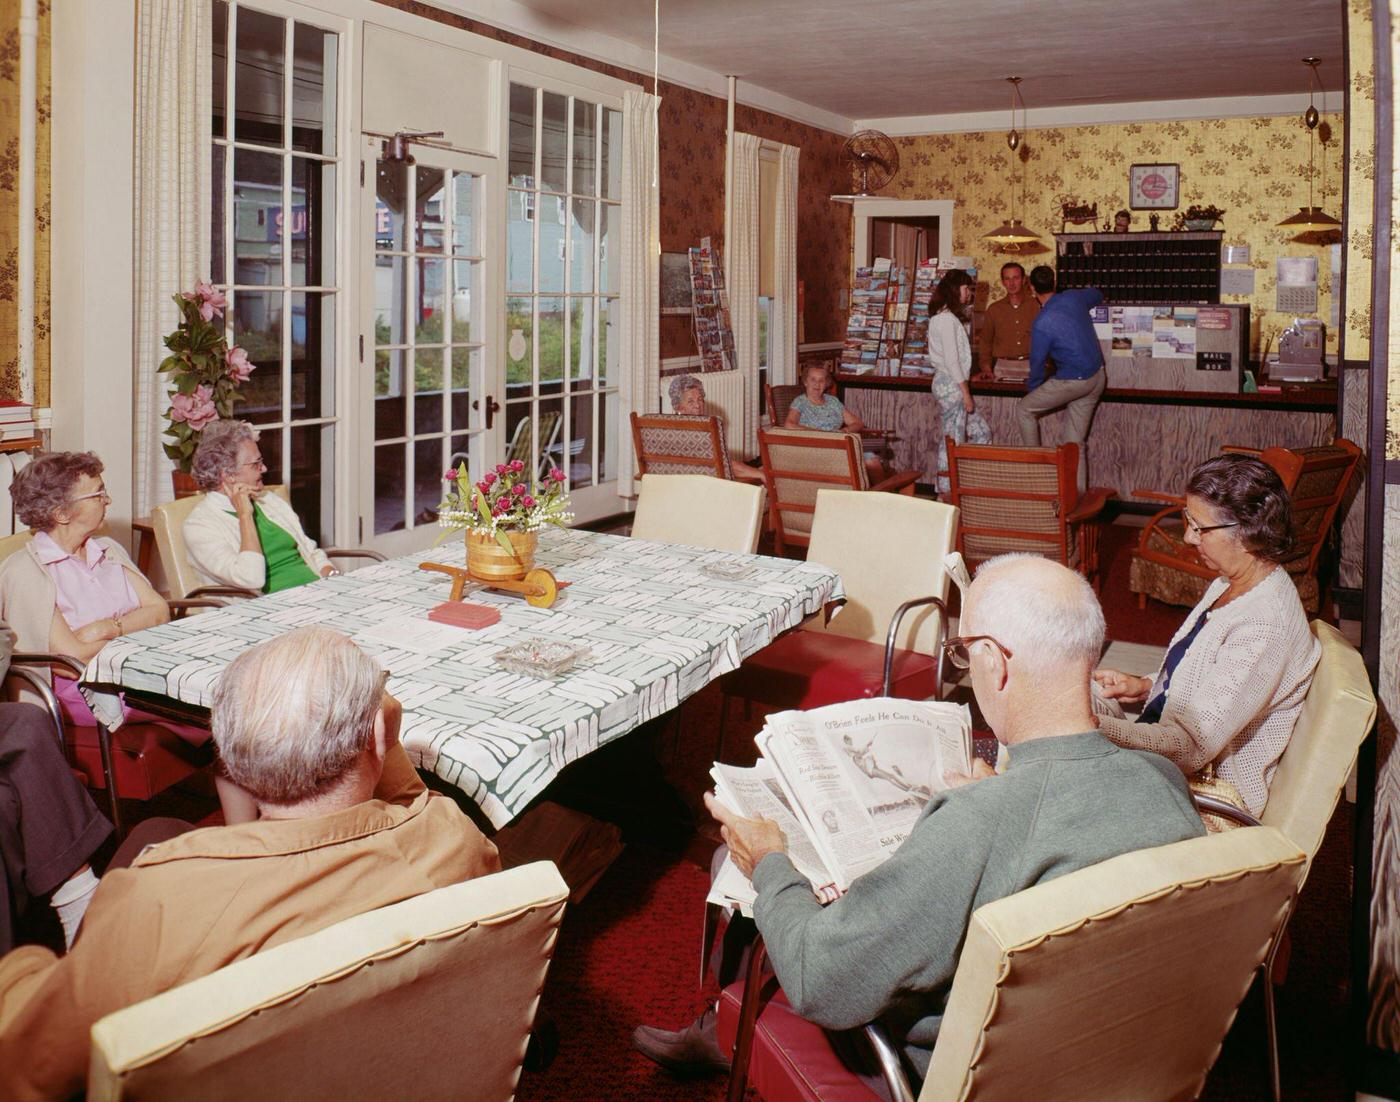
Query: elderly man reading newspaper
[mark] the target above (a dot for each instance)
(888, 946)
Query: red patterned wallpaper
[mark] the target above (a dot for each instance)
(692, 129)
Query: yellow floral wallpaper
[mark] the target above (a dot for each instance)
(9, 206)
(1361, 128)
(1256, 169)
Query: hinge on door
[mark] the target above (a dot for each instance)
(362, 348)
(362, 174)
(361, 537)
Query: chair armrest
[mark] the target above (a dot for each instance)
(888, 1056)
(938, 651)
(1158, 495)
(1240, 449)
(354, 553)
(1228, 810)
(221, 591)
(22, 669)
(897, 481)
(1090, 504)
(181, 608)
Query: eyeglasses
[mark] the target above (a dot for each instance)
(258, 463)
(1202, 529)
(958, 649)
(102, 493)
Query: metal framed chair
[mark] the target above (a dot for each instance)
(1025, 499)
(1070, 989)
(1166, 567)
(797, 463)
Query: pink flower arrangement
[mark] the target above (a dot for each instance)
(205, 373)
(503, 500)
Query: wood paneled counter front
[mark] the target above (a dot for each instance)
(1141, 439)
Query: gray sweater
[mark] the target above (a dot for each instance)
(889, 947)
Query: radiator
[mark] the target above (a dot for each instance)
(726, 395)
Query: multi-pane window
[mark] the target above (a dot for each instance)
(563, 241)
(273, 237)
(428, 287)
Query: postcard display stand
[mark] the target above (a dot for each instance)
(714, 336)
(887, 333)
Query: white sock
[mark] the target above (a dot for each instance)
(71, 902)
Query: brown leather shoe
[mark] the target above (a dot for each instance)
(693, 1050)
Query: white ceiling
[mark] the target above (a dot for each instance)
(875, 59)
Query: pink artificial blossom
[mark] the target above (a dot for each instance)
(528, 502)
(196, 410)
(517, 465)
(490, 477)
(483, 487)
(238, 366)
(211, 302)
(501, 468)
(557, 475)
(449, 475)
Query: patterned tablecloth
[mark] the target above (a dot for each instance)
(658, 625)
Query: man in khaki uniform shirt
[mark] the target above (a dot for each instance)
(346, 826)
(1006, 326)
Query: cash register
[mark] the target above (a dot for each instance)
(1299, 357)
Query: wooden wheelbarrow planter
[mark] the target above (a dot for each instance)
(539, 587)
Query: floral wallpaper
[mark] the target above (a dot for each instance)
(691, 168)
(1254, 168)
(9, 224)
(1361, 133)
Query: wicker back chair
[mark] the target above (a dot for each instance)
(678, 443)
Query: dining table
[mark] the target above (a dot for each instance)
(650, 624)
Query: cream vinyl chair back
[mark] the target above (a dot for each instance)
(888, 549)
(699, 511)
(430, 998)
(1116, 981)
(1336, 717)
(168, 520)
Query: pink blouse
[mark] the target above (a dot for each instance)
(88, 586)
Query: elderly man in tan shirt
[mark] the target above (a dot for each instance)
(302, 722)
(1006, 326)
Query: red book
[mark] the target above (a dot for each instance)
(461, 615)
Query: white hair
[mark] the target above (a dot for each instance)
(1049, 622)
(292, 714)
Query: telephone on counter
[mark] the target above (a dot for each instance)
(1300, 348)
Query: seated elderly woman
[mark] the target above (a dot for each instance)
(70, 591)
(688, 399)
(240, 534)
(1233, 680)
(816, 409)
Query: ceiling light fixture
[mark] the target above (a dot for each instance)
(1311, 219)
(1012, 235)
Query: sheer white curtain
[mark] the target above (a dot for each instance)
(742, 216)
(782, 358)
(174, 49)
(640, 387)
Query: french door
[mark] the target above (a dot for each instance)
(430, 317)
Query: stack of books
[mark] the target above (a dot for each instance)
(17, 421)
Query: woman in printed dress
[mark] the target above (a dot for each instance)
(951, 357)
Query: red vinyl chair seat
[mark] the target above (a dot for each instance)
(793, 1060)
(808, 669)
(146, 757)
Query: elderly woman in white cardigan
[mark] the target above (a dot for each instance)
(239, 535)
(1233, 680)
(70, 591)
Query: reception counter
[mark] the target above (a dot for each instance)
(1141, 439)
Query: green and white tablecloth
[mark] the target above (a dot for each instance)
(659, 628)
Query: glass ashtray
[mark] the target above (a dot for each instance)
(726, 571)
(544, 658)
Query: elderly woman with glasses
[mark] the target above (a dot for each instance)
(240, 535)
(688, 400)
(70, 591)
(1232, 684)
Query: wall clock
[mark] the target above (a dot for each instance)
(1154, 187)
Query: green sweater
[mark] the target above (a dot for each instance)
(889, 947)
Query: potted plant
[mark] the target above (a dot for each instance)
(206, 374)
(502, 514)
(1198, 217)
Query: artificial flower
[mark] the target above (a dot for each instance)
(196, 410)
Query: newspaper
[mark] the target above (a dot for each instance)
(846, 783)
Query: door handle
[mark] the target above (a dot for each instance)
(492, 406)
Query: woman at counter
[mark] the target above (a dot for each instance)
(1232, 683)
(951, 357)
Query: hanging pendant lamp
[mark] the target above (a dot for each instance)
(1311, 219)
(1011, 235)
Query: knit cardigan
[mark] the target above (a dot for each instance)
(1237, 692)
(212, 541)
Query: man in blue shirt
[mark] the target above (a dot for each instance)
(1063, 332)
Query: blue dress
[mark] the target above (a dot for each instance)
(829, 416)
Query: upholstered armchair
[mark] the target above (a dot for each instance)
(679, 443)
(1025, 499)
(1166, 567)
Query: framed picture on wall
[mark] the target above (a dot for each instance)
(1154, 187)
(675, 284)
